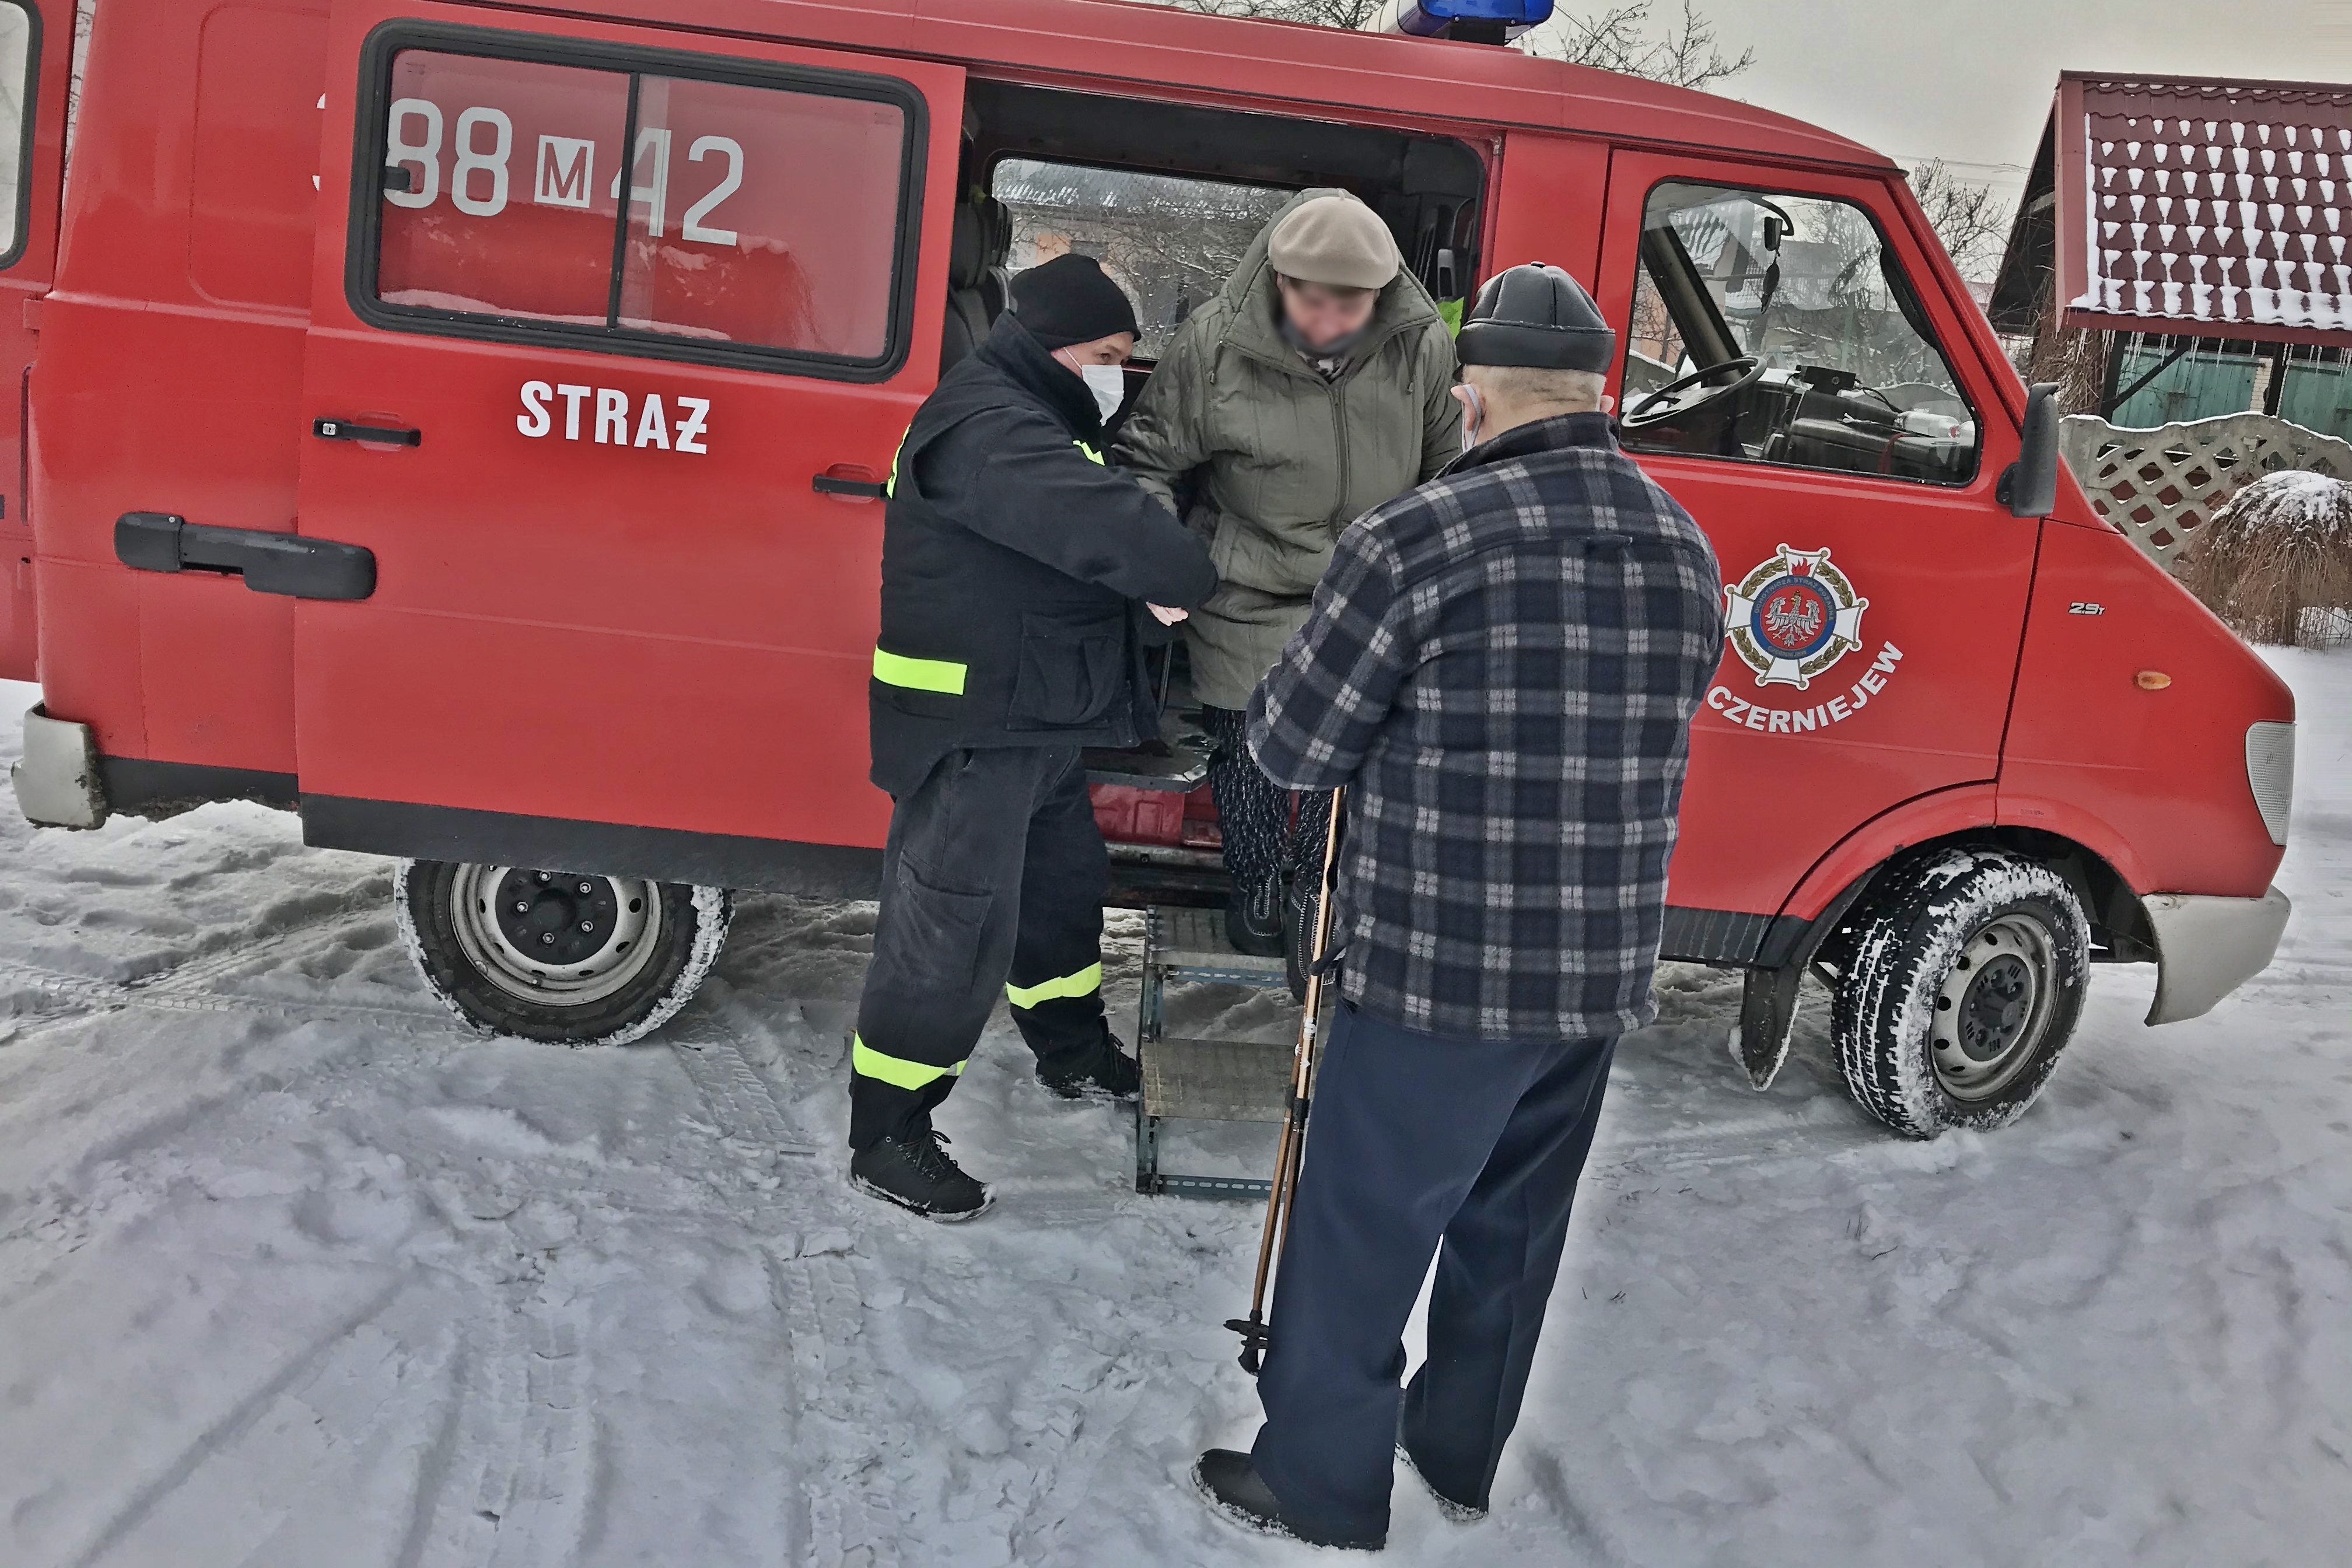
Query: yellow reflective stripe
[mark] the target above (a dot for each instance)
(1085, 982)
(1092, 456)
(891, 485)
(919, 674)
(865, 1060)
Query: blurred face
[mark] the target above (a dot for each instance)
(1322, 315)
(1112, 349)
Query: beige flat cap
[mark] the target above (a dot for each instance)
(1337, 241)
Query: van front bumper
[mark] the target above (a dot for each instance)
(57, 780)
(2208, 947)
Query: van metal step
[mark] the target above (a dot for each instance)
(1215, 1081)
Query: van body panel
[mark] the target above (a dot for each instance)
(2162, 772)
(23, 281)
(1548, 202)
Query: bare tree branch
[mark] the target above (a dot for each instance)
(1972, 219)
(1681, 50)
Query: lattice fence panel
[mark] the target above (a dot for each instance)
(2160, 486)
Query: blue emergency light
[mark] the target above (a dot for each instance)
(1433, 18)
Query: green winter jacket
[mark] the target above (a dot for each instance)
(1277, 460)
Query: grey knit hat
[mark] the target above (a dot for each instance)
(1337, 241)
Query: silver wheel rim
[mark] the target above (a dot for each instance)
(1993, 1010)
(559, 939)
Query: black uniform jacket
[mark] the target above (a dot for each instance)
(1013, 559)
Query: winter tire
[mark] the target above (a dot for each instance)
(1964, 985)
(571, 958)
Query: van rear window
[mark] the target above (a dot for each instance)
(757, 216)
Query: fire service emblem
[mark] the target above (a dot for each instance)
(1792, 617)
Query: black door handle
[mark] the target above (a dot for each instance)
(344, 430)
(827, 485)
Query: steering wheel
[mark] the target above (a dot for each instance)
(1669, 403)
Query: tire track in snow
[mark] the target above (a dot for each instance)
(850, 1516)
(741, 1105)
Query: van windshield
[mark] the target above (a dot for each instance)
(1821, 355)
(1169, 240)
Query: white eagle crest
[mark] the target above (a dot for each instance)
(1789, 623)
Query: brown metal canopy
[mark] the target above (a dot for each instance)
(2207, 207)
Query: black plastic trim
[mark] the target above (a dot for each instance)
(365, 220)
(27, 133)
(1713, 936)
(287, 563)
(143, 786)
(608, 849)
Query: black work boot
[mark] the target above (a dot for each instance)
(1253, 917)
(1111, 1074)
(911, 1170)
(1231, 1485)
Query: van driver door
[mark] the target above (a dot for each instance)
(605, 370)
(1792, 372)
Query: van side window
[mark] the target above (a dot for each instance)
(18, 64)
(1170, 240)
(1795, 338)
(761, 216)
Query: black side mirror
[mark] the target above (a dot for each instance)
(2029, 487)
(1444, 282)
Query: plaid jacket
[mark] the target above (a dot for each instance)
(1502, 665)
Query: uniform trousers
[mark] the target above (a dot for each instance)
(1417, 1143)
(993, 876)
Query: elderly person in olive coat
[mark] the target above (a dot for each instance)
(1317, 385)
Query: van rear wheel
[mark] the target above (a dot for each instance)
(569, 957)
(1961, 993)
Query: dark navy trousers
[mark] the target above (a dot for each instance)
(1417, 1142)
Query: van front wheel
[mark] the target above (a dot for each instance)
(1962, 989)
(569, 957)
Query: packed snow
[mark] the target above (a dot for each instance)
(295, 1273)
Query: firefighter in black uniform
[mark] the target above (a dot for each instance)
(1019, 572)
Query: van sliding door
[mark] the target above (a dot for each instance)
(612, 425)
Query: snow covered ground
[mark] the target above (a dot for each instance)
(292, 1273)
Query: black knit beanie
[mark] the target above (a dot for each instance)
(1069, 299)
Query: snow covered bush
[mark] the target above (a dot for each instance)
(2276, 562)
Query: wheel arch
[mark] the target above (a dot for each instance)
(2093, 862)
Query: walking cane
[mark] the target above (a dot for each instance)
(1293, 1147)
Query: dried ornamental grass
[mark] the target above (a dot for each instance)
(2276, 562)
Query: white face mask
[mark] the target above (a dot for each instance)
(1108, 383)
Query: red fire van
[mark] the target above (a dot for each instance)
(463, 423)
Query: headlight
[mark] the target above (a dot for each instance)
(2270, 773)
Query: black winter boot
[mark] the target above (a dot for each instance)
(1112, 1075)
(1230, 1484)
(911, 1169)
(1459, 1512)
(1253, 917)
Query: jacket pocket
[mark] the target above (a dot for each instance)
(1071, 673)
